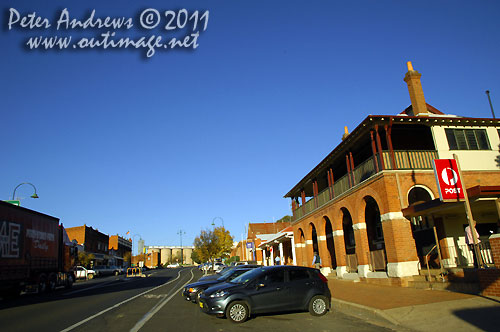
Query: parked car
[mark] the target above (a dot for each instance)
(83, 273)
(193, 290)
(103, 270)
(218, 267)
(173, 265)
(243, 263)
(117, 269)
(268, 289)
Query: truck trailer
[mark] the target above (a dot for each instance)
(35, 252)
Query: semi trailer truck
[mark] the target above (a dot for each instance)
(35, 252)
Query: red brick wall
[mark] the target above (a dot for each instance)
(489, 279)
(495, 249)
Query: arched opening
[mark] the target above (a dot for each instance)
(378, 257)
(302, 248)
(330, 242)
(349, 241)
(314, 238)
(422, 226)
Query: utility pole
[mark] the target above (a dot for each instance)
(180, 233)
(491, 105)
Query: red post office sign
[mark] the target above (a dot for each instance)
(448, 180)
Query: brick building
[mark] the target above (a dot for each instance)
(119, 250)
(369, 207)
(93, 242)
(250, 249)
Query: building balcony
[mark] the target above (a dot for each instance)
(401, 160)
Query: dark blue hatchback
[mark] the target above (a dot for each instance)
(268, 289)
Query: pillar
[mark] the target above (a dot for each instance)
(362, 248)
(399, 245)
(280, 246)
(294, 255)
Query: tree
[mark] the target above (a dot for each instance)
(85, 258)
(127, 258)
(286, 218)
(213, 244)
(195, 258)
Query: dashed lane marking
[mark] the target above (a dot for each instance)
(157, 307)
(118, 304)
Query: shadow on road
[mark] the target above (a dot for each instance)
(85, 289)
(483, 318)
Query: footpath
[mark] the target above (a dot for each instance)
(410, 309)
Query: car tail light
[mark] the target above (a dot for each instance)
(323, 278)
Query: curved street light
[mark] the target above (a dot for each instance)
(31, 184)
(222, 220)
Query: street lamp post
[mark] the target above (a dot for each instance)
(31, 184)
(180, 233)
(213, 221)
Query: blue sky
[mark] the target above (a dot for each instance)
(122, 142)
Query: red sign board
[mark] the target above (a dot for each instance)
(448, 180)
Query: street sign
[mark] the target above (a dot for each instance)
(448, 180)
(249, 245)
(18, 203)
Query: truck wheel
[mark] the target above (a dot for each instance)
(11, 293)
(42, 284)
(116, 273)
(52, 283)
(318, 306)
(69, 282)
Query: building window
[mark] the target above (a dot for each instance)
(467, 139)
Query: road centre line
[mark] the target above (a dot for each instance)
(118, 304)
(157, 307)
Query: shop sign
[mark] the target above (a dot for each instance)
(448, 180)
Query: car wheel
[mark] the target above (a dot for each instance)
(197, 297)
(318, 306)
(116, 273)
(237, 312)
(90, 276)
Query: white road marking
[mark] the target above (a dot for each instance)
(117, 305)
(157, 307)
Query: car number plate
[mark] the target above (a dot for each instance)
(201, 304)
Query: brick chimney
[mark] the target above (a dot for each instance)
(346, 133)
(412, 78)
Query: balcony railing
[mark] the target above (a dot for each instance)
(408, 159)
(404, 159)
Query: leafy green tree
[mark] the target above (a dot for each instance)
(127, 258)
(286, 218)
(213, 244)
(195, 257)
(85, 258)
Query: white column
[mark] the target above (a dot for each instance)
(281, 253)
(271, 261)
(264, 257)
(293, 251)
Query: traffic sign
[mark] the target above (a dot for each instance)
(18, 203)
(448, 180)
